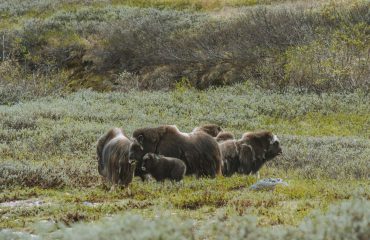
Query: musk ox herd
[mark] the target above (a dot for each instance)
(165, 152)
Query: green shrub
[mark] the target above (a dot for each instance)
(313, 46)
(349, 220)
(132, 227)
(8, 234)
(334, 61)
(30, 176)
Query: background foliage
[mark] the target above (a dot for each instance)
(115, 45)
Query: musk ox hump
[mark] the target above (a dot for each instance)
(223, 136)
(211, 129)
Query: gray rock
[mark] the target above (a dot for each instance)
(268, 184)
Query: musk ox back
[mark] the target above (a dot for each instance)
(112, 154)
(211, 129)
(198, 150)
(224, 136)
(161, 167)
(248, 154)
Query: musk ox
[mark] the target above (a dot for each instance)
(248, 154)
(113, 157)
(215, 131)
(223, 136)
(211, 129)
(161, 167)
(198, 150)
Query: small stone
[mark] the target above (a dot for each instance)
(268, 184)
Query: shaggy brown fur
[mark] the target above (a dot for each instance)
(112, 154)
(248, 154)
(198, 150)
(161, 167)
(211, 129)
(223, 136)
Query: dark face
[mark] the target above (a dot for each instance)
(136, 151)
(147, 138)
(147, 160)
(274, 148)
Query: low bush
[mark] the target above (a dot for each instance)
(322, 135)
(348, 220)
(317, 47)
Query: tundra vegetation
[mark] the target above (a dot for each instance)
(71, 70)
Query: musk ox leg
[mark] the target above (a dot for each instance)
(256, 174)
(113, 187)
(145, 177)
(226, 169)
(246, 159)
(129, 192)
(219, 164)
(104, 183)
(177, 174)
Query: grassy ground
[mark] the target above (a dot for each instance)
(48, 155)
(195, 199)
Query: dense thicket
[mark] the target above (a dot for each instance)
(48, 46)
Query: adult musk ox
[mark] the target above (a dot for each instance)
(113, 157)
(161, 167)
(248, 154)
(198, 150)
(211, 129)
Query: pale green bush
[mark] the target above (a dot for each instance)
(30, 176)
(62, 131)
(348, 220)
(7, 234)
(132, 227)
(325, 157)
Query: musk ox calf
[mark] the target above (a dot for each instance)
(161, 167)
(248, 154)
(198, 150)
(113, 157)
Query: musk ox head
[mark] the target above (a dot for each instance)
(145, 140)
(148, 160)
(265, 144)
(136, 151)
(274, 148)
(211, 129)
